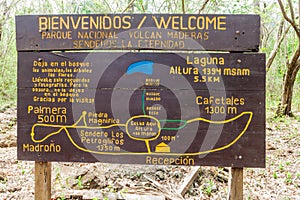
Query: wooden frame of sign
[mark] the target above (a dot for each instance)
(168, 108)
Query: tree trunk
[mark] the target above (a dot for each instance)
(285, 106)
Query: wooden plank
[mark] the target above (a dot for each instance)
(235, 187)
(68, 112)
(142, 197)
(42, 181)
(90, 194)
(103, 70)
(188, 180)
(138, 31)
(170, 193)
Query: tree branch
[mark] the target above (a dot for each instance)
(295, 58)
(128, 6)
(297, 67)
(203, 6)
(107, 4)
(292, 11)
(143, 7)
(294, 25)
(266, 34)
(182, 5)
(280, 37)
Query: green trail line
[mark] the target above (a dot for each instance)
(174, 120)
(143, 102)
(163, 120)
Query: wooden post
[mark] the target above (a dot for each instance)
(42, 181)
(188, 180)
(235, 184)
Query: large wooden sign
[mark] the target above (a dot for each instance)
(138, 31)
(144, 108)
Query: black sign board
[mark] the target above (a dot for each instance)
(138, 31)
(143, 108)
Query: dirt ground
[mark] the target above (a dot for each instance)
(279, 180)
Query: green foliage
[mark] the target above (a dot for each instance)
(209, 187)
(79, 182)
(268, 10)
(275, 175)
(20, 166)
(283, 172)
(8, 70)
(288, 179)
(281, 167)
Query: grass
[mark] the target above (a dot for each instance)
(8, 88)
